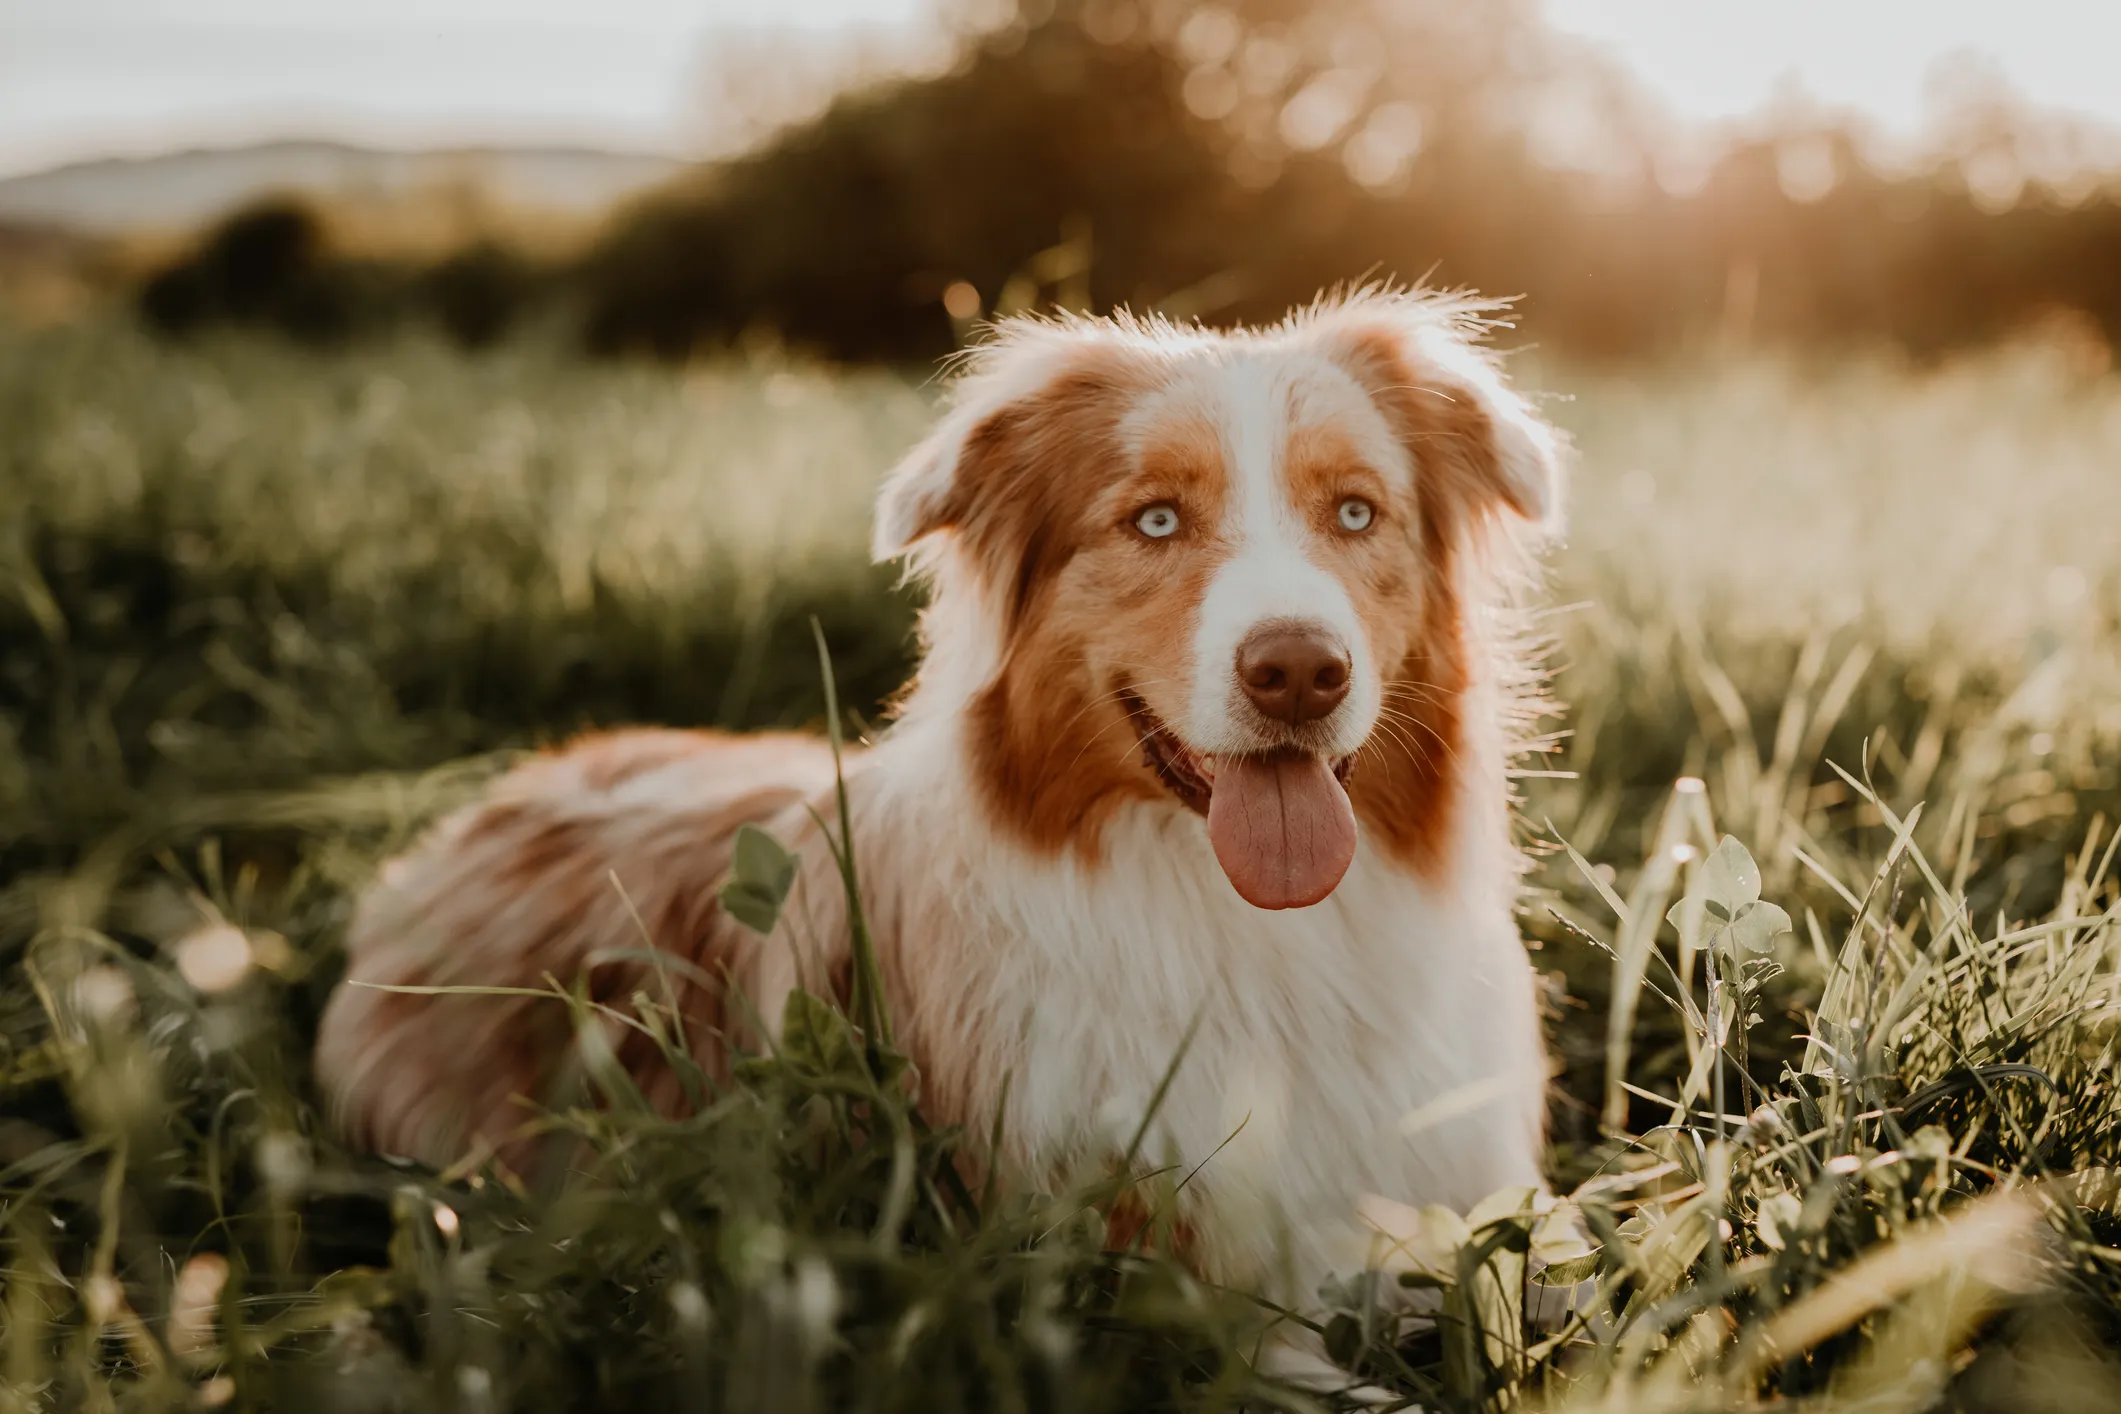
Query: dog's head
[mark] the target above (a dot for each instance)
(1220, 569)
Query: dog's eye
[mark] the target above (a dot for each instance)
(1158, 522)
(1356, 514)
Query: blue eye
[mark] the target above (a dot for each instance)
(1158, 522)
(1356, 514)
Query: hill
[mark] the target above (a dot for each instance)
(184, 189)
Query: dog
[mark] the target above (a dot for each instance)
(1222, 678)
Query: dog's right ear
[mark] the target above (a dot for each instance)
(918, 497)
(1032, 405)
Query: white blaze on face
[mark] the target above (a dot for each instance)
(1271, 575)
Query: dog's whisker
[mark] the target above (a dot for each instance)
(1450, 750)
(1398, 735)
(1110, 695)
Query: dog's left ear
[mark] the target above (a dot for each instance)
(1466, 430)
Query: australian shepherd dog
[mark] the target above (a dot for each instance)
(1221, 684)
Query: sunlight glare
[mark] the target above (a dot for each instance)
(1724, 60)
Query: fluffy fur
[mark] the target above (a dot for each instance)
(1045, 900)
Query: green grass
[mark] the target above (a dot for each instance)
(261, 613)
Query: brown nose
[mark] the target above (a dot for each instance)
(1293, 675)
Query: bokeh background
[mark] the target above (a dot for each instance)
(384, 391)
(673, 178)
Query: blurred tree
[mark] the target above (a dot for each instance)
(1221, 161)
(843, 235)
(1227, 160)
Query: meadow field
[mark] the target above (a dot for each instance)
(1836, 644)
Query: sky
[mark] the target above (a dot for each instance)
(86, 78)
(1722, 58)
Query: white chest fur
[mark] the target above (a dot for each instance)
(1383, 1041)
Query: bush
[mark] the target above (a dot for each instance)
(272, 266)
(479, 293)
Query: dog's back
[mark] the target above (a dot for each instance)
(572, 867)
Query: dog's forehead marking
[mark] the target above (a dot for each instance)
(1257, 399)
(1325, 396)
(1271, 567)
(1257, 404)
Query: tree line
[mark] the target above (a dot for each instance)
(1225, 162)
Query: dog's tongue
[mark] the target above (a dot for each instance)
(1282, 828)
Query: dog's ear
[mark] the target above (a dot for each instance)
(1467, 431)
(1033, 402)
(919, 496)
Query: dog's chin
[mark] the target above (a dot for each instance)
(1280, 819)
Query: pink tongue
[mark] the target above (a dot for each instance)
(1282, 828)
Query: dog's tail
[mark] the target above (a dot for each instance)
(573, 868)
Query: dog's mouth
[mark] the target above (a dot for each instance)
(1280, 821)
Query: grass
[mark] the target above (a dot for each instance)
(261, 613)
